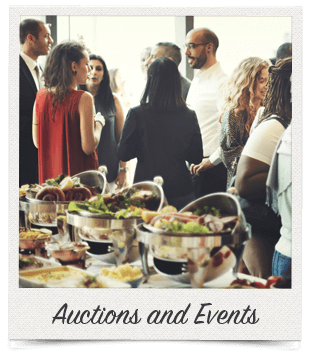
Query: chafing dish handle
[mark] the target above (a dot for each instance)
(144, 249)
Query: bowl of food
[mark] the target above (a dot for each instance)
(126, 204)
(68, 188)
(45, 204)
(63, 276)
(67, 252)
(107, 244)
(94, 180)
(107, 222)
(198, 244)
(124, 273)
(32, 262)
(22, 190)
(31, 239)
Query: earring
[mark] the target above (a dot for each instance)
(74, 73)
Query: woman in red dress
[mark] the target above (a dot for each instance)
(65, 130)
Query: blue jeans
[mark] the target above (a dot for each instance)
(281, 265)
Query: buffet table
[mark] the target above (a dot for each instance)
(159, 281)
(134, 232)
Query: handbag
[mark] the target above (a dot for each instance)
(259, 215)
(256, 212)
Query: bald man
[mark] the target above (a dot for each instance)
(204, 98)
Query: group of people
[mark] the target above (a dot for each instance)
(201, 136)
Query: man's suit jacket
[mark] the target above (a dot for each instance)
(28, 153)
(185, 85)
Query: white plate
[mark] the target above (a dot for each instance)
(72, 283)
(43, 260)
(27, 283)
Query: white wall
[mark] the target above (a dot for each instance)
(120, 40)
(242, 37)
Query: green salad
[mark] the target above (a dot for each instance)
(120, 209)
(207, 210)
(190, 227)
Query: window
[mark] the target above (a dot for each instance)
(120, 40)
(242, 37)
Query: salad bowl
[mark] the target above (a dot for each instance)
(109, 232)
(196, 257)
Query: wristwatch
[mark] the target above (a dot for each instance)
(125, 169)
(100, 118)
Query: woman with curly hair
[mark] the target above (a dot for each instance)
(254, 165)
(65, 128)
(243, 95)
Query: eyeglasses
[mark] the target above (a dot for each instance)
(191, 46)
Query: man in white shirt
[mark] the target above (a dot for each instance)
(35, 40)
(204, 97)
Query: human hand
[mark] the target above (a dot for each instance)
(99, 118)
(121, 180)
(202, 167)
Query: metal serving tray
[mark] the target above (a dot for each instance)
(122, 235)
(45, 213)
(197, 258)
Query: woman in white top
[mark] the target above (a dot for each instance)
(279, 197)
(254, 165)
(279, 189)
(243, 95)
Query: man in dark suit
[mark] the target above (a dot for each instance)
(173, 52)
(35, 40)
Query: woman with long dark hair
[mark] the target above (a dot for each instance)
(65, 128)
(163, 133)
(110, 106)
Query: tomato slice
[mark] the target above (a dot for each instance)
(272, 280)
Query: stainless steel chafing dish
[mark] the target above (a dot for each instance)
(113, 238)
(196, 258)
(52, 214)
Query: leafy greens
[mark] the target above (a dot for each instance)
(99, 207)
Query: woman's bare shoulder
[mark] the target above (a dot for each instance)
(86, 95)
(86, 98)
